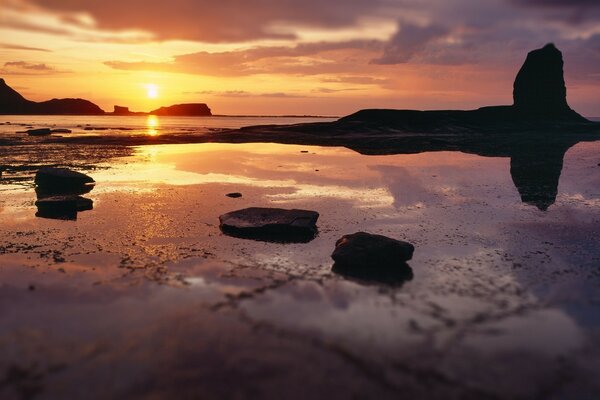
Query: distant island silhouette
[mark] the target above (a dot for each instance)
(13, 103)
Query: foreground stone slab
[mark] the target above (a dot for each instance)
(271, 224)
(62, 207)
(39, 132)
(371, 257)
(61, 178)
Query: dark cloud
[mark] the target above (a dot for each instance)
(559, 3)
(409, 41)
(209, 21)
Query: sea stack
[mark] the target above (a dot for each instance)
(539, 87)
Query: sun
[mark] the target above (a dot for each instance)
(151, 91)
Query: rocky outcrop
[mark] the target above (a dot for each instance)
(184, 110)
(271, 224)
(371, 257)
(11, 102)
(61, 179)
(39, 132)
(118, 110)
(539, 87)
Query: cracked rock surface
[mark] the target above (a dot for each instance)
(144, 296)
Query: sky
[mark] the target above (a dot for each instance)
(274, 57)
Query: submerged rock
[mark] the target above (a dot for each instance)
(39, 132)
(234, 195)
(373, 258)
(271, 224)
(61, 179)
(61, 130)
(62, 207)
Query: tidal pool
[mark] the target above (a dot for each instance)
(144, 297)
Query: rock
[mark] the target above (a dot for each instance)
(184, 110)
(39, 132)
(539, 87)
(61, 179)
(234, 195)
(118, 110)
(11, 102)
(373, 258)
(61, 130)
(62, 207)
(271, 224)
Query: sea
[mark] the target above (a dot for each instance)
(143, 125)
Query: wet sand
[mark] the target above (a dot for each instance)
(144, 297)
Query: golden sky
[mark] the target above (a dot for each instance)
(293, 57)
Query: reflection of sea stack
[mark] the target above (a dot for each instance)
(539, 87)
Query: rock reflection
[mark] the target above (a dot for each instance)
(387, 276)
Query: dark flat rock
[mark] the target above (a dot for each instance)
(373, 258)
(60, 178)
(234, 195)
(271, 224)
(62, 207)
(61, 130)
(39, 132)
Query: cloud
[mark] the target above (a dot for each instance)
(243, 93)
(409, 41)
(209, 21)
(305, 59)
(27, 68)
(19, 47)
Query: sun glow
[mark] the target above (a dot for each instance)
(152, 125)
(151, 91)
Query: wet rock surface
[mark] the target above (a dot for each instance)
(373, 257)
(146, 287)
(271, 224)
(59, 179)
(39, 132)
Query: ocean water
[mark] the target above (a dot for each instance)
(141, 125)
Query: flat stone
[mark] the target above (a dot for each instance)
(234, 195)
(39, 132)
(61, 130)
(271, 224)
(61, 178)
(373, 257)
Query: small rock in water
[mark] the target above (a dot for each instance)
(61, 178)
(62, 207)
(271, 224)
(61, 130)
(373, 258)
(303, 151)
(234, 195)
(39, 132)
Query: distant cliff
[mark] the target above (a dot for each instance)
(11, 102)
(184, 110)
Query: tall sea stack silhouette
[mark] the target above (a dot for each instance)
(539, 87)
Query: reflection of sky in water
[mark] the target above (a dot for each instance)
(492, 275)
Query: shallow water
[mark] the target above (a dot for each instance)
(143, 296)
(139, 125)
